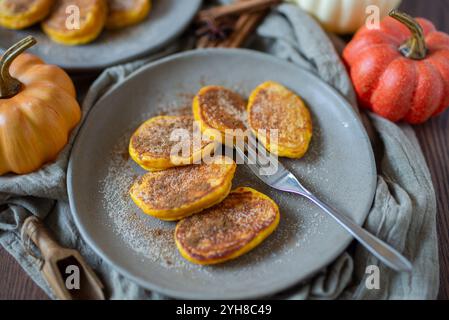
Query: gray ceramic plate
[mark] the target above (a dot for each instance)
(339, 167)
(168, 18)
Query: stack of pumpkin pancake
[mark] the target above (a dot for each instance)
(73, 22)
(194, 186)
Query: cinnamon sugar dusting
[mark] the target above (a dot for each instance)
(276, 108)
(226, 227)
(58, 17)
(147, 236)
(174, 187)
(154, 138)
(221, 107)
(16, 6)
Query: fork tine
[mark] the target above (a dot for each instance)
(253, 166)
(251, 149)
(252, 141)
(266, 158)
(263, 154)
(254, 158)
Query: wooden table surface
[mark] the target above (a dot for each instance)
(434, 139)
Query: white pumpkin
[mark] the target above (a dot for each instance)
(344, 16)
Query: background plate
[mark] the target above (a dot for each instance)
(167, 20)
(339, 167)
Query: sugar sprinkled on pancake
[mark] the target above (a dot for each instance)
(229, 229)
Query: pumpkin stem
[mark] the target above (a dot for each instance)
(415, 47)
(10, 86)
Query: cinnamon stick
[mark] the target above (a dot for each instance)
(236, 8)
(202, 42)
(253, 12)
(248, 23)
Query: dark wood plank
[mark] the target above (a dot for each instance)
(14, 282)
(434, 10)
(434, 139)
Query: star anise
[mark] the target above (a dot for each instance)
(216, 30)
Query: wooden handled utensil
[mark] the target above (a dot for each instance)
(56, 263)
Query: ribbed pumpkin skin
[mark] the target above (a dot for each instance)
(35, 123)
(396, 87)
(344, 16)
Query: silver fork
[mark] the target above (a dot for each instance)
(283, 180)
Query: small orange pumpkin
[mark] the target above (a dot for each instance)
(38, 109)
(401, 70)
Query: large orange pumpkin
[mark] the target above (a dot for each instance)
(401, 70)
(38, 109)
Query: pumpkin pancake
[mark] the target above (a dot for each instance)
(124, 13)
(151, 145)
(229, 229)
(179, 192)
(91, 21)
(219, 109)
(272, 106)
(20, 14)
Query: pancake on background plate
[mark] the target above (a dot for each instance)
(62, 28)
(20, 14)
(124, 13)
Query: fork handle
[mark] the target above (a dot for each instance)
(384, 252)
